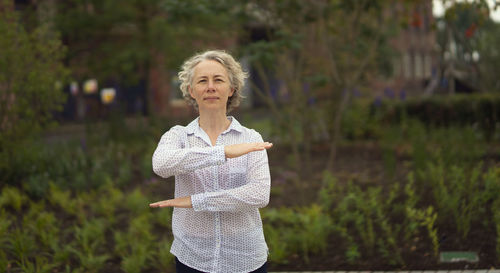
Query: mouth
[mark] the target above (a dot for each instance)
(211, 98)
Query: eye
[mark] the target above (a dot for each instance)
(219, 80)
(202, 81)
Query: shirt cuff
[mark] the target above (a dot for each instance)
(198, 201)
(219, 156)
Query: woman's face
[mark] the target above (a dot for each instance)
(210, 86)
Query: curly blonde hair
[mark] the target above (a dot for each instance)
(236, 75)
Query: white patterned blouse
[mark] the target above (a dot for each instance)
(223, 231)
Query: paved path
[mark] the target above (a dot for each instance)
(412, 271)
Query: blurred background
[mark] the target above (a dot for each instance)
(383, 115)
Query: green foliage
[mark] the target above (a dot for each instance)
(67, 203)
(107, 207)
(22, 245)
(12, 198)
(322, 51)
(31, 75)
(136, 246)
(427, 218)
(40, 264)
(140, 33)
(369, 216)
(480, 110)
(372, 223)
(457, 194)
(44, 225)
(89, 245)
(137, 202)
(163, 217)
(4, 262)
(164, 260)
(496, 222)
(282, 224)
(360, 121)
(5, 223)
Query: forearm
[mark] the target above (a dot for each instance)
(238, 199)
(168, 162)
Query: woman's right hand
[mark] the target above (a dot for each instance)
(237, 150)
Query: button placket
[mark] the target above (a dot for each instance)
(218, 234)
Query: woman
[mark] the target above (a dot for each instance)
(221, 174)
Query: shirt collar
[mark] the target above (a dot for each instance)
(194, 126)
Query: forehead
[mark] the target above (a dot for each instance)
(209, 68)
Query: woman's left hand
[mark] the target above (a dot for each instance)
(181, 202)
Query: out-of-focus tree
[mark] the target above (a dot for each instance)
(31, 79)
(125, 39)
(321, 52)
(460, 34)
(489, 57)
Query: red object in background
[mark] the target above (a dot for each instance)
(469, 32)
(417, 20)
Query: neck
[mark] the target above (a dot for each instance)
(213, 122)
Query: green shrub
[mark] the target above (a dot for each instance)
(88, 247)
(40, 265)
(5, 223)
(32, 75)
(136, 202)
(164, 260)
(360, 121)
(4, 262)
(374, 222)
(108, 206)
(12, 198)
(481, 110)
(136, 246)
(457, 194)
(22, 245)
(281, 231)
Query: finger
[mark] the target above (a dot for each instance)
(264, 145)
(268, 145)
(157, 204)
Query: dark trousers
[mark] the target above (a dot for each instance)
(182, 268)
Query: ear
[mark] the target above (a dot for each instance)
(190, 90)
(231, 93)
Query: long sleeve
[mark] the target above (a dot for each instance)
(172, 158)
(254, 194)
(229, 192)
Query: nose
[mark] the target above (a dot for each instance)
(211, 85)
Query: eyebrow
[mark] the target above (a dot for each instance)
(215, 76)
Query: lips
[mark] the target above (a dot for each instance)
(211, 98)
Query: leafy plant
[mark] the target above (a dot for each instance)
(22, 245)
(108, 206)
(5, 223)
(136, 246)
(89, 245)
(40, 265)
(13, 198)
(164, 259)
(4, 262)
(32, 75)
(427, 219)
(135, 261)
(456, 193)
(136, 202)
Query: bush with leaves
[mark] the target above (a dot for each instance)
(32, 76)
